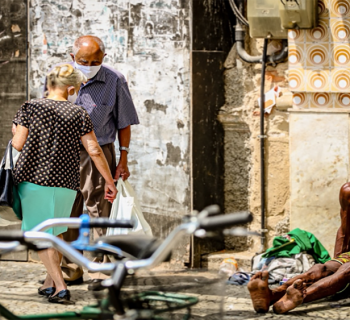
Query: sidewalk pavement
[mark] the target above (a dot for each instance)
(19, 284)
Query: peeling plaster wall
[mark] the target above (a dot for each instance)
(240, 118)
(148, 41)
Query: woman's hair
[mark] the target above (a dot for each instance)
(65, 75)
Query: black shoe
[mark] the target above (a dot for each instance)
(74, 282)
(95, 285)
(68, 282)
(47, 291)
(62, 297)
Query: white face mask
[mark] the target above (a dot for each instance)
(72, 98)
(89, 71)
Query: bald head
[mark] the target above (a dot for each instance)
(85, 41)
(88, 51)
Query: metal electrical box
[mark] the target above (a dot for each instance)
(273, 18)
(298, 14)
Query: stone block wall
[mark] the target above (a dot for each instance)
(240, 117)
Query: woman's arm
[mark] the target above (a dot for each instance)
(20, 137)
(95, 152)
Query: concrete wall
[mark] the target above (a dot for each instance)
(148, 41)
(240, 118)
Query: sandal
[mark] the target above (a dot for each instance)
(239, 279)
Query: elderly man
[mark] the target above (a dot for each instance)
(106, 97)
(321, 281)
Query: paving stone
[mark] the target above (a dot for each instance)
(19, 284)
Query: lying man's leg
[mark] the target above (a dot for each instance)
(262, 296)
(320, 289)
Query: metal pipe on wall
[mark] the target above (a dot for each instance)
(262, 143)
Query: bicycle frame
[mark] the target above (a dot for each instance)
(118, 270)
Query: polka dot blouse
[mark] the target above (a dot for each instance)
(51, 154)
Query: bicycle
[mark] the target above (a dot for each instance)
(145, 305)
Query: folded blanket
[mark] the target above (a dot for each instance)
(288, 267)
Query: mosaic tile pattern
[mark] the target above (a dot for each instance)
(319, 59)
(321, 100)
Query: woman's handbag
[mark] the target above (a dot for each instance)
(8, 190)
(126, 206)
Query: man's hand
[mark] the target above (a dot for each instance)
(122, 170)
(110, 192)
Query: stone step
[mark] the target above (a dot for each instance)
(213, 260)
(15, 255)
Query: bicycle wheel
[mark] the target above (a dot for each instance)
(174, 295)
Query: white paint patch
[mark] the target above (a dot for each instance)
(318, 83)
(321, 100)
(345, 101)
(317, 34)
(293, 83)
(297, 100)
(317, 58)
(341, 34)
(293, 58)
(292, 34)
(341, 9)
(343, 84)
(342, 58)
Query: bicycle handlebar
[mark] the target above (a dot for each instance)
(206, 222)
(77, 223)
(225, 220)
(106, 223)
(12, 235)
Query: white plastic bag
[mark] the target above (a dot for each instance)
(126, 206)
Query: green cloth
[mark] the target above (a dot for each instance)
(40, 203)
(304, 241)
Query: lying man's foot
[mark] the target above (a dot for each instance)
(260, 292)
(294, 297)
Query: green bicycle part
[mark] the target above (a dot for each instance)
(178, 301)
(101, 311)
(88, 312)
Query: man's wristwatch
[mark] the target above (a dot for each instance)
(124, 148)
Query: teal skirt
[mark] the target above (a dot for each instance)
(40, 203)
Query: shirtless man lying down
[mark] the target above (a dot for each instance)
(321, 281)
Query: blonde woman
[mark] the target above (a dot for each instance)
(48, 134)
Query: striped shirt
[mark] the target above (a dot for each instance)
(107, 99)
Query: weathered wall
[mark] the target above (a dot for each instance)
(305, 161)
(240, 117)
(148, 41)
(211, 41)
(13, 35)
(13, 70)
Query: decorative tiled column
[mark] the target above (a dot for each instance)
(319, 77)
